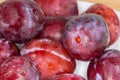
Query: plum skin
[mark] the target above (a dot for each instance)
(110, 17)
(18, 68)
(105, 67)
(21, 20)
(7, 49)
(63, 8)
(53, 28)
(67, 76)
(86, 36)
(46, 54)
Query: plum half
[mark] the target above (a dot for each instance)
(86, 36)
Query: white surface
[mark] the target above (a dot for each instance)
(81, 68)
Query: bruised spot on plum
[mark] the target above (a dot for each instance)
(78, 39)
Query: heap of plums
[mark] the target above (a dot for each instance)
(42, 39)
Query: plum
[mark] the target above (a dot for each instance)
(7, 49)
(67, 77)
(53, 28)
(49, 56)
(20, 20)
(110, 17)
(86, 36)
(62, 8)
(18, 68)
(105, 67)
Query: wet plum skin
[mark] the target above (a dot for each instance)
(86, 36)
(53, 28)
(105, 67)
(67, 77)
(17, 68)
(21, 20)
(49, 56)
(110, 17)
(63, 8)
